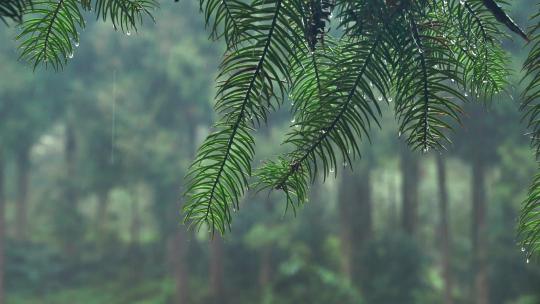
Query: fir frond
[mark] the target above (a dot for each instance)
(529, 221)
(503, 18)
(253, 79)
(327, 133)
(426, 96)
(530, 105)
(125, 14)
(483, 65)
(223, 18)
(13, 9)
(50, 32)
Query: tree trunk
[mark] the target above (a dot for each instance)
(216, 271)
(69, 207)
(177, 255)
(178, 248)
(2, 229)
(444, 229)
(355, 207)
(23, 168)
(101, 212)
(479, 236)
(136, 222)
(409, 190)
(265, 270)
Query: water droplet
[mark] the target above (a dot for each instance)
(522, 249)
(380, 98)
(528, 261)
(128, 33)
(345, 164)
(70, 55)
(76, 43)
(293, 120)
(332, 170)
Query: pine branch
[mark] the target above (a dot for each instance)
(530, 105)
(503, 18)
(252, 76)
(483, 65)
(224, 18)
(424, 82)
(49, 34)
(334, 124)
(529, 222)
(124, 14)
(13, 9)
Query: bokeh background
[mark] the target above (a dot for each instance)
(92, 161)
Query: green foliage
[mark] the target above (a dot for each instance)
(13, 9)
(409, 53)
(529, 223)
(251, 76)
(50, 32)
(428, 57)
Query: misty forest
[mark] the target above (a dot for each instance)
(269, 151)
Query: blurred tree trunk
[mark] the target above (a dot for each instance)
(409, 190)
(23, 168)
(479, 236)
(216, 271)
(355, 207)
(101, 214)
(265, 270)
(177, 254)
(70, 187)
(444, 229)
(2, 228)
(136, 222)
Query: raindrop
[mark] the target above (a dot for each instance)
(70, 56)
(528, 261)
(76, 43)
(332, 170)
(128, 33)
(293, 120)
